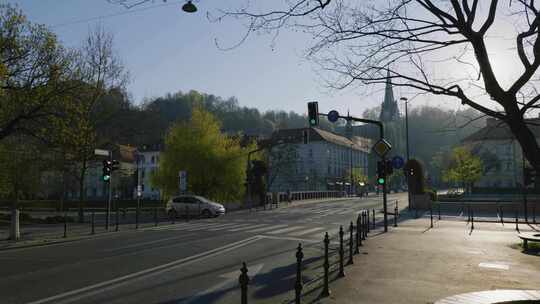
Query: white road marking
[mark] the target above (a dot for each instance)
(494, 266)
(223, 227)
(285, 230)
(289, 239)
(151, 242)
(246, 227)
(123, 280)
(304, 232)
(268, 228)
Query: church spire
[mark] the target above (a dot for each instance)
(389, 108)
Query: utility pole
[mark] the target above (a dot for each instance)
(407, 146)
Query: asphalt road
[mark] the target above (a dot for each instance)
(189, 262)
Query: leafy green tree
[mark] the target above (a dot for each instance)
(34, 68)
(464, 169)
(215, 163)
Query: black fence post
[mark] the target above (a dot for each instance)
(350, 261)
(358, 238)
(395, 215)
(117, 217)
(326, 292)
(244, 281)
(502, 216)
(439, 210)
(431, 214)
(517, 226)
(366, 220)
(341, 252)
(137, 218)
(155, 216)
(472, 219)
(373, 219)
(93, 223)
(65, 224)
(298, 284)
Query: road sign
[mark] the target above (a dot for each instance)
(333, 116)
(382, 147)
(101, 152)
(397, 162)
(182, 175)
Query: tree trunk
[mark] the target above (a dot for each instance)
(81, 192)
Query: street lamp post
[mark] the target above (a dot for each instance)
(407, 146)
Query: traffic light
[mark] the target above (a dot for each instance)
(380, 172)
(529, 176)
(313, 113)
(115, 165)
(389, 168)
(107, 169)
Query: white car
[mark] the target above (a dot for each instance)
(193, 205)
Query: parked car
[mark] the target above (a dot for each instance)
(193, 205)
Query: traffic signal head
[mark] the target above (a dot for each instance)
(107, 168)
(313, 113)
(380, 180)
(529, 176)
(381, 172)
(388, 169)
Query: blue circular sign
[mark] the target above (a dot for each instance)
(333, 116)
(397, 162)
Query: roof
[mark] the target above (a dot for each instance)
(316, 134)
(498, 130)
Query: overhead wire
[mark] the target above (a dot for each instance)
(130, 11)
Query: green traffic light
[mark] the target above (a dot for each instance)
(106, 178)
(380, 181)
(312, 122)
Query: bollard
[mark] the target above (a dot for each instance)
(517, 227)
(439, 210)
(431, 214)
(155, 217)
(298, 284)
(187, 214)
(117, 218)
(65, 225)
(341, 252)
(244, 281)
(93, 223)
(350, 261)
(358, 238)
(502, 216)
(373, 219)
(326, 292)
(395, 216)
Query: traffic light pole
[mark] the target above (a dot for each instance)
(381, 135)
(108, 217)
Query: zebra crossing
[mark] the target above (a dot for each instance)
(271, 229)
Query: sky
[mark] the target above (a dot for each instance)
(166, 50)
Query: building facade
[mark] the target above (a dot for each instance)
(312, 159)
(147, 163)
(501, 154)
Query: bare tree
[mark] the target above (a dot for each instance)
(405, 40)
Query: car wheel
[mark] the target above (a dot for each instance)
(206, 213)
(172, 214)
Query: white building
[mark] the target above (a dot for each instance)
(314, 159)
(148, 162)
(500, 151)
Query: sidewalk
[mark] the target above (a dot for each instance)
(414, 264)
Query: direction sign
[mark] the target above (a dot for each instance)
(333, 116)
(101, 152)
(182, 175)
(382, 147)
(397, 162)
